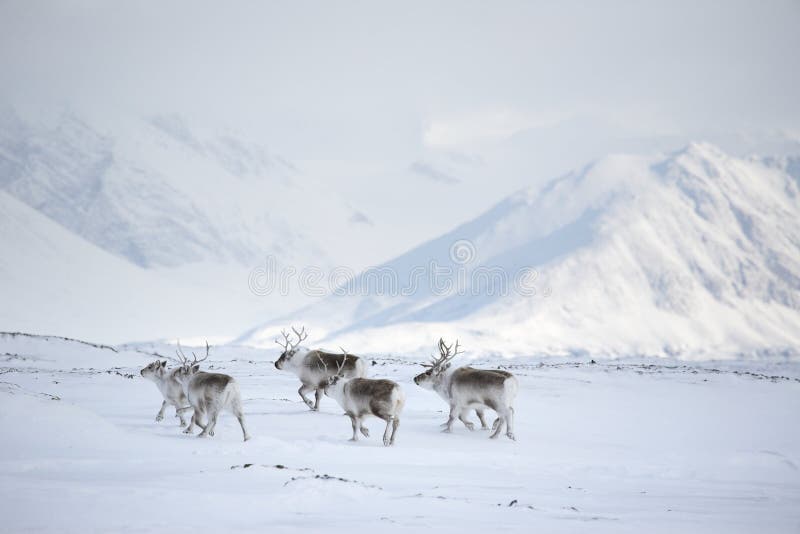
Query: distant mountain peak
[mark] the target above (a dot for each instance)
(693, 254)
(160, 193)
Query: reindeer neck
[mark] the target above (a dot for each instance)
(338, 392)
(442, 386)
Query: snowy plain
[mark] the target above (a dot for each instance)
(627, 445)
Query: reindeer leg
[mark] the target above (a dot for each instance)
(364, 430)
(510, 424)
(240, 417)
(179, 413)
(395, 424)
(160, 414)
(302, 391)
(354, 420)
(449, 425)
(198, 423)
(211, 424)
(467, 423)
(387, 434)
(192, 421)
(197, 416)
(236, 409)
(317, 398)
(497, 426)
(484, 426)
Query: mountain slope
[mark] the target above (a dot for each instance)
(55, 282)
(695, 254)
(150, 228)
(161, 194)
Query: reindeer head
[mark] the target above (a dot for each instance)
(155, 370)
(437, 367)
(335, 381)
(188, 369)
(290, 348)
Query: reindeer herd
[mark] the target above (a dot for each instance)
(341, 376)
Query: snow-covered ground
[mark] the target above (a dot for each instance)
(617, 446)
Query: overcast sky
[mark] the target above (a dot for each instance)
(375, 68)
(368, 91)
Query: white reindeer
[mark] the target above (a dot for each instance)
(209, 394)
(360, 397)
(311, 366)
(170, 389)
(465, 388)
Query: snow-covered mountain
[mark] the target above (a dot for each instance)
(150, 228)
(694, 253)
(160, 194)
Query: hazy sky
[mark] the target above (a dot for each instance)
(373, 92)
(395, 71)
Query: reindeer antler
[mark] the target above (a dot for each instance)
(287, 340)
(339, 367)
(301, 335)
(344, 361)
(185, 360)
(322, 361)
(204, 358)
(181, 355)
(287, 343)
(446, 355)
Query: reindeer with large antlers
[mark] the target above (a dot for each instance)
(360, 397)
(208, 394)
(465, 388)
(312, 366)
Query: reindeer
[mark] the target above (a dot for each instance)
(360, 397)
(170, 389)
(311, 366)
(466, 388)
(209, 394)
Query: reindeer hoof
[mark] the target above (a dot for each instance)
(365, 431)
(386, 442)
(187, 431)
(511, 436)
(446, 431)
(159, 418)
(247, 438)
(211, 433)
(469, 426)
(353, 439)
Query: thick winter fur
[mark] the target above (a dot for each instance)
(170, 389)
(315, 367)
(465, 388)
(209, 394)
(360, 397)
